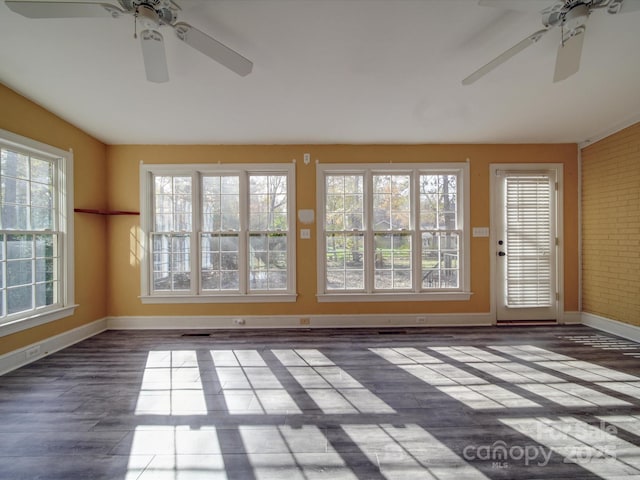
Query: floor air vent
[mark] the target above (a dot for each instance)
(392, 332)
(195, 335)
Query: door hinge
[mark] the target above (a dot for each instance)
(557, 297)
(556, 186)
(557, 241)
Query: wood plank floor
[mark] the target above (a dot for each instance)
(443, 403)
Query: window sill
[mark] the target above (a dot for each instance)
(35, 320)
(253, 298)
(394, 297)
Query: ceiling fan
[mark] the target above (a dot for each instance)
(151, 15)
(570, 16)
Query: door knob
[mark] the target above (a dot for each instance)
(501, 254)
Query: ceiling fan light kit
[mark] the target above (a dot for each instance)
(151, 15)
(570, 16)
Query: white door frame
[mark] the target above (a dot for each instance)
(493, 236)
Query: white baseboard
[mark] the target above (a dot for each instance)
(625, 330)
(572, 318)
(299, 321)
(30, 353)
(25, 355)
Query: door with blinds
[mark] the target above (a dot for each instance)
(526, 244)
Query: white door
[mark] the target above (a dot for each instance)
(525, 234)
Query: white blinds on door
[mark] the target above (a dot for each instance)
(529, 240)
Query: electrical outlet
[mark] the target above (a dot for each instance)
(238, 321)
(421, 320)
(305, 321)
(32, 352)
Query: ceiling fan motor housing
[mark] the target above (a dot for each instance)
(569, 15)
(151, 13)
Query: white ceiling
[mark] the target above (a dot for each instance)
(329, 71)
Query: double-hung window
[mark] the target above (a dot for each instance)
(36, 235)
(218, 233)
(397, 231)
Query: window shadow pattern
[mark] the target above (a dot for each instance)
(324, 406)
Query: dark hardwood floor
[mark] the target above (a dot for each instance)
(441, 403)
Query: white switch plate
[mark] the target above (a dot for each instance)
(305, 233)
(480, 231)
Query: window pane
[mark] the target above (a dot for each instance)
(14, 164)
(438, 202)
(19, 299)
(440, 260)
(163, 184)
(392, 265)
(268, 261)
(345, 261)
(41, 171)
(391, 202)
(45, 294)
(219, 262)
(44, 269)
(172, 203)
(41, 219)
(230, 205)
(221, 203)
(41, 195)
(19, 246)
(268, 202)
(15, 217)
(181, 262)
(171, 262)
(19, 272)
(344, 205)
(46, 245)
(14, 199)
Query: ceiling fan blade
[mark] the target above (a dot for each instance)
(64, 9)
(568, 58)
(213, 49)
(500, 59)
(155, 59)
(535, 6)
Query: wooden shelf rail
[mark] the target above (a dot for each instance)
(104, 212)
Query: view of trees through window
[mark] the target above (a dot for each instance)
(381, 214)
(28, 237)
(242, 232)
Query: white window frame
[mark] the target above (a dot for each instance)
(195, 294)
(416, 293)
(65, 306)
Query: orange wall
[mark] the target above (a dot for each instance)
(21, 116)
(611, 227)
(107, 276)
(123, 194)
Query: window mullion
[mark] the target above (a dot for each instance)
(150, 228)
(416, 237)
(369, 242)
(196, 229)
(33, 260)
(3, 265)
(30, 205)
(243, 234)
